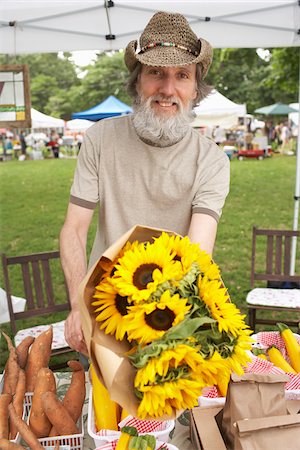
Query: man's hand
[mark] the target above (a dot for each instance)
(73, 332)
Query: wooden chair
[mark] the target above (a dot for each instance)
(39, 279)
(271, 263)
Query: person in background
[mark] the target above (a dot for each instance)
(219, 135)
(23, 143)
(150, 168)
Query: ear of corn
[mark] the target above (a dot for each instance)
(127, 434)
(105, 409)
(278, 360)
(291, 345)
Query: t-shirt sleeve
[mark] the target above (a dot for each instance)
(214, 180)
(85, 187)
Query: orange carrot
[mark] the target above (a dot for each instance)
(38, 421)
(22, 350)
(38, 357)
(24, 430)
(11, 368)
(74, 398)
(58, 415)
(18, 401)
(5, 400)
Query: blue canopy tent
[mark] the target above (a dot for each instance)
(111, 107)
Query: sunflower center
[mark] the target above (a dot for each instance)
(177, 258)
(143, 275)
(121, 304)
(160, 319)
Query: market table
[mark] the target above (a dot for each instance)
(179, 436)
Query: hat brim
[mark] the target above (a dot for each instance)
(168, 56)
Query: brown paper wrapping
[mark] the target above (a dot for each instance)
(105, 352)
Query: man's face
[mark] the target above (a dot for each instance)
(166, 86)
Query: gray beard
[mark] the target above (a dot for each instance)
(158, 130)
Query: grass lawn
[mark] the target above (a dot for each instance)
(34, 197)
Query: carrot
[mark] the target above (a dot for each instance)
(5, 400)
(24, 430)
(22, 350)
(75, 395)
(74, 398)
(5, 444)
(38, 421)
(38, 357)
(11, 368)
(18, 401)
(58, 415)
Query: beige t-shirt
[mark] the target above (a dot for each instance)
(135, 183)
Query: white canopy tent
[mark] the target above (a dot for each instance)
(216, 109)
(41, 121)
(78, 124)
(66, 25)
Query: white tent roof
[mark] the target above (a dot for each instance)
(294, 117)
(66, 25)
(40, 120)
(78, 124)
(216, 109)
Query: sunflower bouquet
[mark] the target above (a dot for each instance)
(164, 298)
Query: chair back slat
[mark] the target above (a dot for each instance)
(278, 255)
(48, 282)
(287, 255)
(28, 291)
(38, 285)
(269, 258)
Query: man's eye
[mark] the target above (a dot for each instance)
(183, 75)
(154, 72)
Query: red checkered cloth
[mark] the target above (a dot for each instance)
(109, 446)
(267, 338)
(112, 446)
(258, 365)
(142, 426)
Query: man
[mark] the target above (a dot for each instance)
(150, 168)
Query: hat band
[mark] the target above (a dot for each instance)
(167, 44)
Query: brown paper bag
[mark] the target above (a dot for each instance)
(268, 433)
(105, 352)
(252, 396)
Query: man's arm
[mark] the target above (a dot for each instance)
(73, 239)
(203, 231)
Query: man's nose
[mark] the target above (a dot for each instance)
(168, 86)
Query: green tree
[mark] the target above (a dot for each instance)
(108, 76)
(283, 76)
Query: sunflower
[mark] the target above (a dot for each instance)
(181, 248)
(162, 399)
(239, 357)
(226, 313)
(108, 266)
(112, 308)
(146, 322)
(140, 270)
(181, 355)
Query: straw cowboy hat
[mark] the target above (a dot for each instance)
(168, 40)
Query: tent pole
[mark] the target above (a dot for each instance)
(297, 187)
